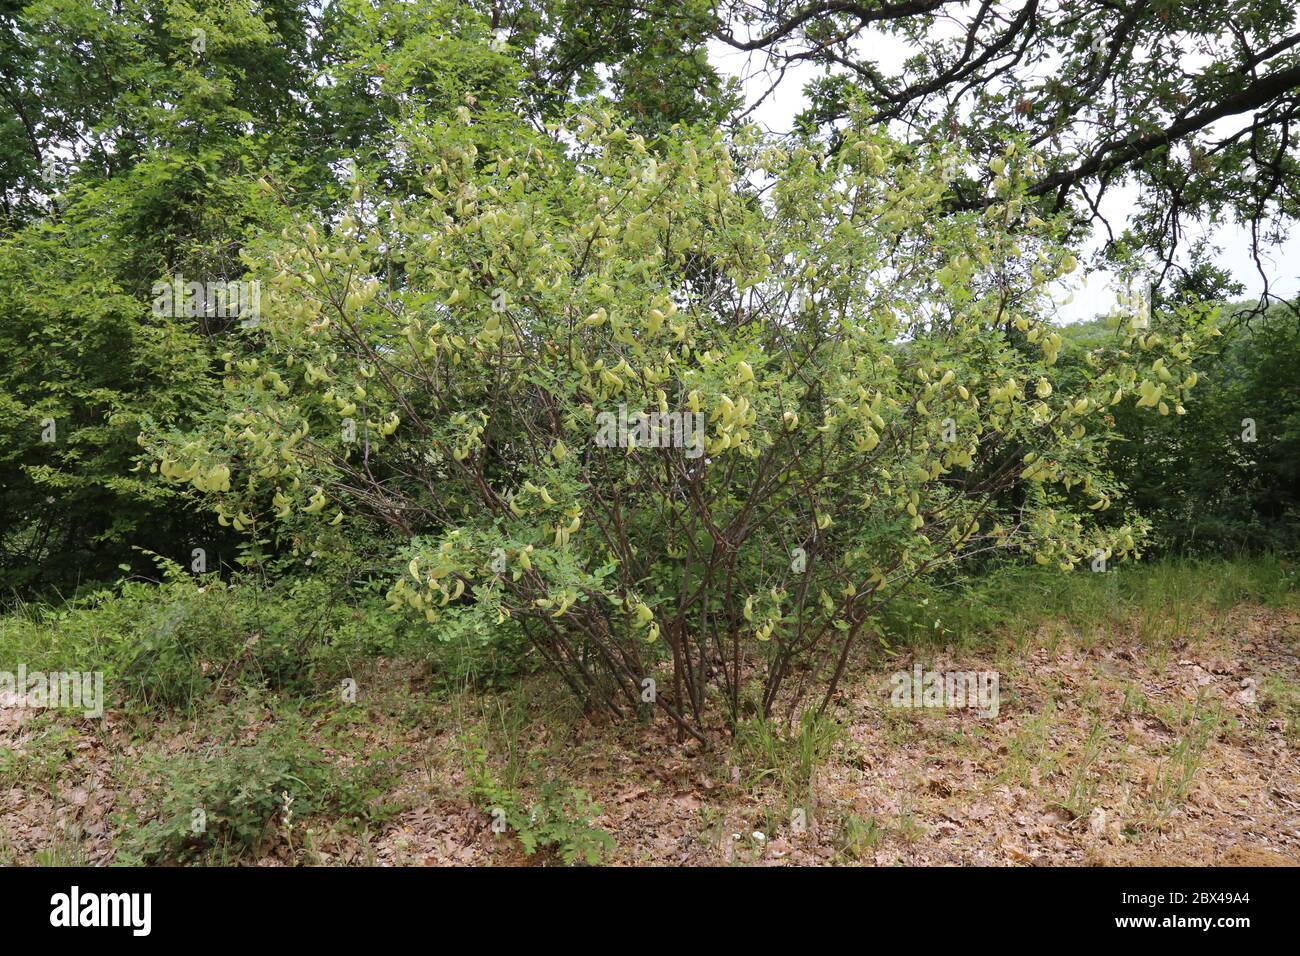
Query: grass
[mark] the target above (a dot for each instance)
(1169, 597)
(1085, 780)
(1177, 772)
(1281, 698)
(858, 836)
(1029, 752)
(787, 760)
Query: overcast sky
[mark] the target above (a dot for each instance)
(1079, 299)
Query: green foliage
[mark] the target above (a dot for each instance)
(81, 367)
(859, 836)
(1280, 697)
(1196, 726)
(157, 184)
(172, 644)
(455, 372)
(650, 57)
(1222, 478)
(50, 747)
(1013, 600)
(788, 760)
(558, 821)
(464, 651)
(246, 792)
(132, 136)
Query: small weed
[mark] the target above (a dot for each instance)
(1177, 772)
(1279, 697)
(1085, 780)
(858, 836)
(558, 822)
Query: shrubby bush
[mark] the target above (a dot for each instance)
(244, 794)
(168, 643)
(877, 392)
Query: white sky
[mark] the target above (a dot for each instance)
(1083, 298)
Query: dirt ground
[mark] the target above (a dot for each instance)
(1106, 750)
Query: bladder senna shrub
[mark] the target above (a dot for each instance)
(877, 391)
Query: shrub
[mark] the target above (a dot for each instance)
(559, 821)
(232, 797)
(854, 393)
(168, 643)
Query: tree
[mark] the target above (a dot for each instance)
(140, 168)
(1195, 104)
(83, 362)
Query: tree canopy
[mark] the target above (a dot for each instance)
(1193, 104)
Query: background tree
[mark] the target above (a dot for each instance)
(1194, 104)
(1223, 479)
